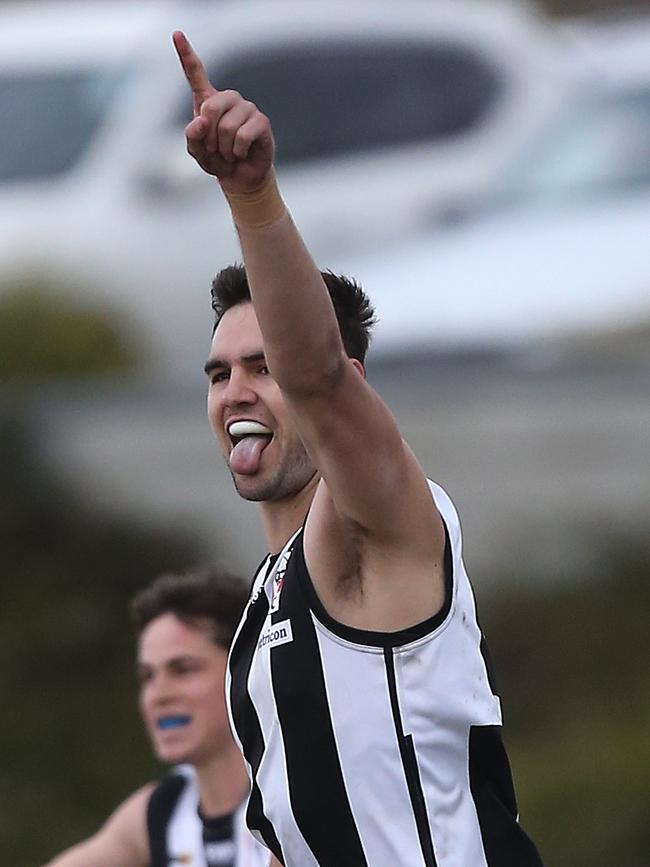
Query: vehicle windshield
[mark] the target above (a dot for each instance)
(369, 95)
(49, 119)
(600, 147)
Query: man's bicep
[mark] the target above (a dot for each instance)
(356, 445)
(98, 851)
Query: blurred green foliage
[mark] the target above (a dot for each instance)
(47, 332)
(71, 741)
(572, 667)
(72, 745)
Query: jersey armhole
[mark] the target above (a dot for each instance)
(159, 810)
(369, 638)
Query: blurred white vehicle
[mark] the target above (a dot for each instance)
(381, 110)
(558, 249)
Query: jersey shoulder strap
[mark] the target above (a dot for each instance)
(159, 811)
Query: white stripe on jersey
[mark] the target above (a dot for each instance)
(356, 681)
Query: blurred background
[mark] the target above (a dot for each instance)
(483, 168)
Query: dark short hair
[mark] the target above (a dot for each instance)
(208, 595)
(354, 311)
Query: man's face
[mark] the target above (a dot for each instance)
(182, 696)
(265, 455)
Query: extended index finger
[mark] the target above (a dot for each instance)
(190, 61)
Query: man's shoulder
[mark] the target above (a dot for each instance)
(161, 806)
(163, 795)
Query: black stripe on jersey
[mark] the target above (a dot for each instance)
(487, 659)
(160, 808)
(504, 840)
(267, 564)
(245, 718)
(317, 792)
(410, 765)
(368, 637)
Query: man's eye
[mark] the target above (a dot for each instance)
(185, 668)
(264, 370)
(220, 376)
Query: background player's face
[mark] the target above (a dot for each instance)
(182, 691)
(242, 388)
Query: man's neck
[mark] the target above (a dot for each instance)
(222, 782)
(281, 518)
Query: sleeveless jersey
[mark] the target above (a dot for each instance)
(177, 834)
(370, 749)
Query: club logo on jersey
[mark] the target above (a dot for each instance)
(183, 858)
(278, 581)
(275, 634)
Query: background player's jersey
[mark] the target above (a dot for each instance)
(178, 835)
(366, 748)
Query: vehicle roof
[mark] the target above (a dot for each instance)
(74, 33)
(109, 29)
(413, 18)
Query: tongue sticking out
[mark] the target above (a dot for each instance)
(245, 456)
(252, 439)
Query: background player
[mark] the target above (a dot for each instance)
(184, 625)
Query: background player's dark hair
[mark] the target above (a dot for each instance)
(354, 311)
(196, 597)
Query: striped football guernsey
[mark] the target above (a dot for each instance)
(367, 748)
(178, 834)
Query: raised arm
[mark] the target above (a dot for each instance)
(371, 476)
(121, 841)
(232, 140)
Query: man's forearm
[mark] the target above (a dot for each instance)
(301, 335)
(232, 140)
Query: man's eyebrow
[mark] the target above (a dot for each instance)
(220, 363)
(252, 357)
(213, 363)
(172, 660)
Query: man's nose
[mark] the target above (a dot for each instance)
(239, 389)
(160, 690)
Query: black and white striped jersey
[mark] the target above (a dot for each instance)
(178, 834)
(366, 748)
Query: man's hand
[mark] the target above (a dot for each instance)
(228, 136)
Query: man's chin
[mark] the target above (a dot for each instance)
(251, 489)
(279, 484)
(173, 757)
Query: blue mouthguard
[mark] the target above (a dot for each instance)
(172, 722)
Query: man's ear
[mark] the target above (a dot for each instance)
(359, 366)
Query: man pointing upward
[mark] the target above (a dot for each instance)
(359, 690)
